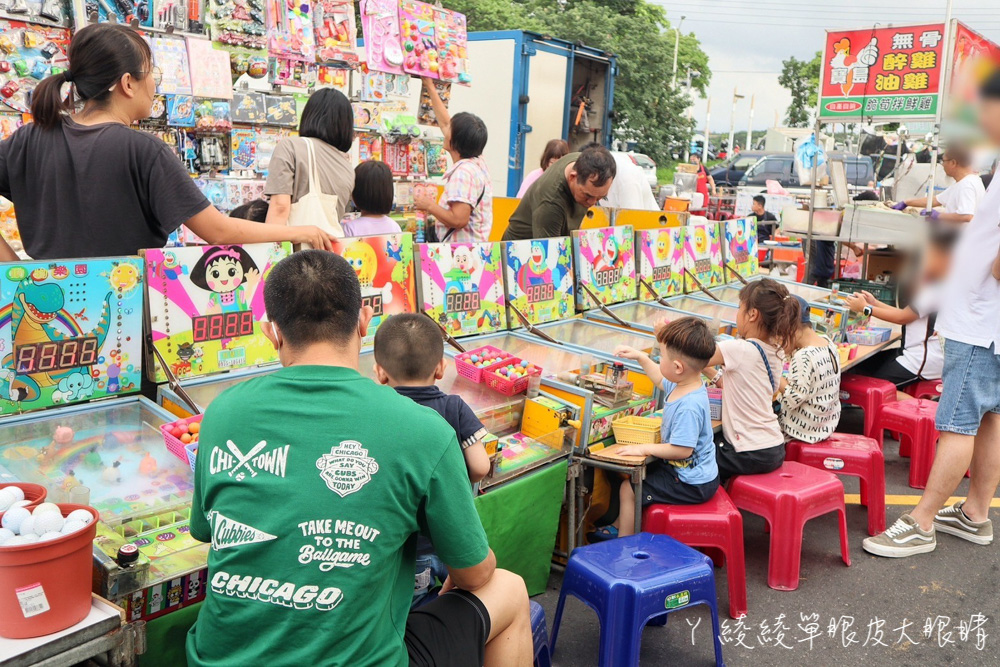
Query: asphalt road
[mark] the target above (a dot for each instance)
(935, 609)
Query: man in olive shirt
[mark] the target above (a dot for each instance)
(556, 203)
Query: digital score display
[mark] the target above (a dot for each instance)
(57, 355)
(375, 301)
(661, 273)
(461, 302)
(538, 293)
(223, 325)
(607, 277)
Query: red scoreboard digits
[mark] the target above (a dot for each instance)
(537, 293)
(461, 302)
(56, 355)
(224, 325)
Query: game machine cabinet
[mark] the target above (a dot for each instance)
(73, 332)
(384, 264)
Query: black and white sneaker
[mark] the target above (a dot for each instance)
(952, 520)
(903, 538)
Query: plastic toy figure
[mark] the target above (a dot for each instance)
(190, 154)
(147, 466)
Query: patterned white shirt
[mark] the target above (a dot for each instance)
(810, 405)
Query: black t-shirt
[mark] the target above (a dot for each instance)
(765, 225)
(547, 208)
(455, 411)
(94, 191)
(824, 257)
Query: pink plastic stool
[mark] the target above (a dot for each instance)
(853, 455)
(914, 421)
(870, 394)
(716, 525)
(924, 389)
(787, 498)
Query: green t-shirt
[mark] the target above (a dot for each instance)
(311, 485)
(547, 208)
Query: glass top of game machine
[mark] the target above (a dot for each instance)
(597, 337)
(731, 293)
(553, 359)
(713, 309)
(638, 314)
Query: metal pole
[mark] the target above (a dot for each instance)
(749, 146)
(900, 137)
(704, 144)
(677, 46)
(942, 95)
(812, 208)
(732, 125)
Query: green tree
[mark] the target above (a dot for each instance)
(801, 79)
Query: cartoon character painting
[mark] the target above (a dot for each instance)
(539, 276)
(702, 257)
(461, 287)
(605, 265)
(232, 276)
(741, 248)
(661, 261)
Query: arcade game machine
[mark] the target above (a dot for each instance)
(74, 333)
(383, 263)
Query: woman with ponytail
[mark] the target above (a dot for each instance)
(768, 321)
(85, 184)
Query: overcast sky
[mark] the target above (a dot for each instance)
(746, 40)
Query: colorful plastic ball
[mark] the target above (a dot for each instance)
(408, 46)
(524, 364)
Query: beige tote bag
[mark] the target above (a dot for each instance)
(315, 208)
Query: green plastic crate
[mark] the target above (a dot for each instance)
(884, 292)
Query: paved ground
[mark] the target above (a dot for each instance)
(848, 611)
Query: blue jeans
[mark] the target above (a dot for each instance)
(971, 387)
(428, 571)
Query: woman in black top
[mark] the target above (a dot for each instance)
(86, 185)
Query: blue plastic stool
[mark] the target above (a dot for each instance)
(631, 581)
(540, 636)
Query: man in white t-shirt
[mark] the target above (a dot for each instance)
(959, 201)
(968, 415)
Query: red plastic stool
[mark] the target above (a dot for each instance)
(716, 525)
(787, 498)
(914, 421)
(853, 455)
(870, 394)
(924, 389)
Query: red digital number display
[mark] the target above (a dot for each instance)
(543, 292)
(375, 301)
(56, 355)
(607, 277)
(225, 325)
(661, 273)
(461, 302)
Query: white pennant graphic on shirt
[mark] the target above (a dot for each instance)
(228, 533)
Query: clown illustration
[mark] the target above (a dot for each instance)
(535, 271)
(230, 274)
(607, 256)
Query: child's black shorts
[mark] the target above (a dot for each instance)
(450, 631)
(663, 485)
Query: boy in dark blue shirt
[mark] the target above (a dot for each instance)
(409, 357)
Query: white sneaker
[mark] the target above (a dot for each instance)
(903, 538)
(952, 520)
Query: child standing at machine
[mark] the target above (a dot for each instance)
(768, 319)
(409, 357)
(684, 471)
(372, 196)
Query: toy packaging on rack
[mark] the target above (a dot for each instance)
(702, 257)
(248, 108)
(418, 159)
(267, 139)
(380, 29)
(180, 110)
(425, 112)
(369, 147)
(212, 116)
(461, 287)
(210, 75)
(741, 248)
(53, 13)
(452, 46)
(280, 110)
(539, 275)
(215, 192)
(171, 55)
(437, 158)
(239, 191)
(290, 30)
(9, 124)
(238, 22)
(384, 265)
(397, 156)
(28, 54)
(661, 261)
(416, 25)
(203, 320)
(8, 225)
(605, 265)
(367, 116)
(292, 73)
(244, 149)
(73, 330)
(335, 31)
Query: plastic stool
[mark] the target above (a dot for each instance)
(914, 421)
(631, 581)
(787, 498)
(716, 525)
(853, 455)
(539, 635)
(871, 394)
(929, 389)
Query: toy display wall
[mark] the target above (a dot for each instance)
(236, 76)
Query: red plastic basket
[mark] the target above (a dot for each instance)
(469, 371)
(506, 386)
(174, 445)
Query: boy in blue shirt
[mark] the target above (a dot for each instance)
(683, 471)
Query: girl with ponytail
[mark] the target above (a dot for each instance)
(768, 321)
(84, 184)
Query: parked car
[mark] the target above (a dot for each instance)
(780, 167)
(648, 168)
(731, 171)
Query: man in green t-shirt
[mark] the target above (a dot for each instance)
(312, 484)
(555, 204)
